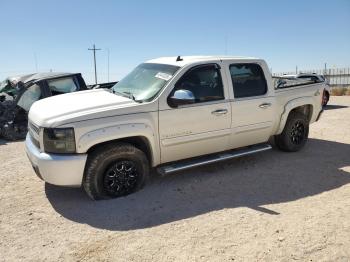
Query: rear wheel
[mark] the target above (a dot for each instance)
(115, 170)
(295, 133)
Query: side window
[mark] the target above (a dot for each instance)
(204, 82)
(62, 85)
(248, 80)
(31, 95)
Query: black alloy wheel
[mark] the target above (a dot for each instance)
(114, 170)
(297, 134)
(120, 178)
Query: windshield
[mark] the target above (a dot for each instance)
(145, 81)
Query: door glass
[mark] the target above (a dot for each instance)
(248, 80)
(62, 85)
(31, 95)
(204, 82)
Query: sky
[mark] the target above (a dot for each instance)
(44, 35)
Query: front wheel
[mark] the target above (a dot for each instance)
(115, 170)
(295, 133)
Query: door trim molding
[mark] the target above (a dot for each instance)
(252, 127)
(195, 137)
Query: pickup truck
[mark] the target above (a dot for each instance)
(171, 114)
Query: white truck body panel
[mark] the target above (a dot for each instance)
(99, 116)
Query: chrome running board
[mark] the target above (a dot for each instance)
(199, 161)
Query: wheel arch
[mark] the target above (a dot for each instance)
(139, 142)
(141, 136)
(304, 106)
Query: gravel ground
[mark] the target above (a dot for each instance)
(272, 206)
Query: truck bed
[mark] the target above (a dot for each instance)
(285, 82)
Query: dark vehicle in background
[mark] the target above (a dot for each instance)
(316, 79)
(17, 94)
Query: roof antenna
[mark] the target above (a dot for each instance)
(179, 59)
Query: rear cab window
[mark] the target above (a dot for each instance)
(248, 80)
(62, 85)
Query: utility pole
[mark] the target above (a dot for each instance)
(94, 49)
(296, 70)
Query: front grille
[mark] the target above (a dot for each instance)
(34, 128)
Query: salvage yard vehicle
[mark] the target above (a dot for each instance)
(17, 94)
(169, 113)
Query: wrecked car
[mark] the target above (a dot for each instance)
(17, 94)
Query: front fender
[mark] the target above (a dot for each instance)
(98, 136)
(302, 101)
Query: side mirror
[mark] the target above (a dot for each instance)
(181, 97)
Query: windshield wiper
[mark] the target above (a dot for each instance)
(128, 95)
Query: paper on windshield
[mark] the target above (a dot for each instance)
(163, 76)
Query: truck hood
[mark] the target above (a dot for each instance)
(78, 106)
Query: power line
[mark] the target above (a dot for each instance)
(94, 49)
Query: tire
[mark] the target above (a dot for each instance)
(295, 133)
(115, 170)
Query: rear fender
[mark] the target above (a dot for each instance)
(298, 102)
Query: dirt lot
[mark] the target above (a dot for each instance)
(272, 206)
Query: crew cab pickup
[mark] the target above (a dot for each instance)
(169, 113)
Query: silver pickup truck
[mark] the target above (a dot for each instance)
(170, 113)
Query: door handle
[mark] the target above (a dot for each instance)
(265, 105)
(219, 112)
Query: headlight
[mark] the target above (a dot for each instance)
(59, 140)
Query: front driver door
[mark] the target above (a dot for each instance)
(199, 128)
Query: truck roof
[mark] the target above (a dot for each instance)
(37, 76)
(195, 59)
(48, 75)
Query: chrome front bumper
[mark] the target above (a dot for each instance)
(56, 169)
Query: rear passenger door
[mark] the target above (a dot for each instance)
(252, 104)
